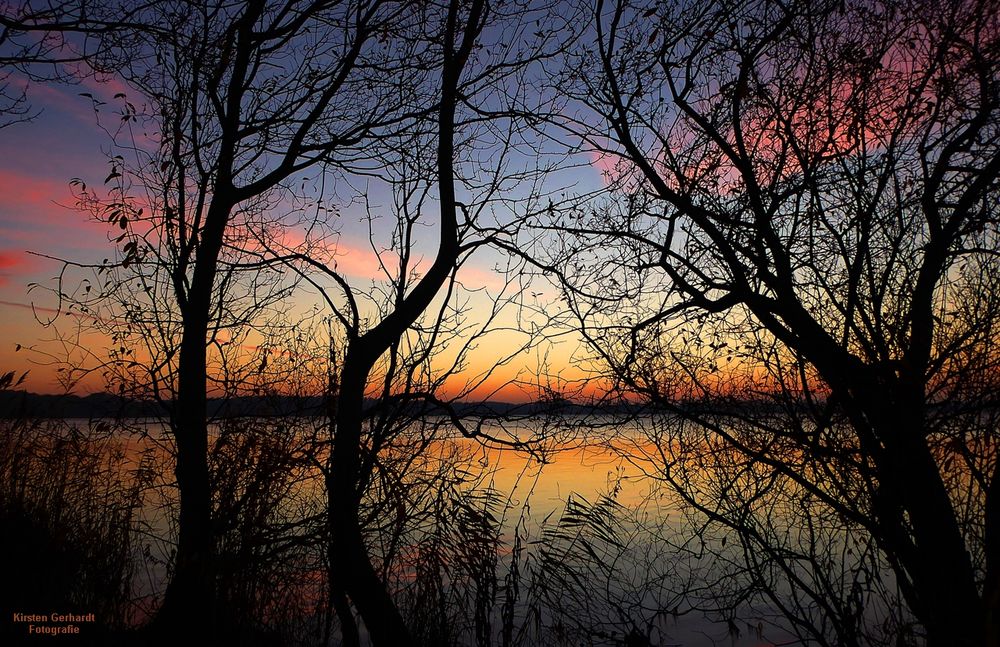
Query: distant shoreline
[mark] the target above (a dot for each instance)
(24, 404)
(20, 404)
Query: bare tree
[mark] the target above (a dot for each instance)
(244, 97)
(396, 354)
(803, 213)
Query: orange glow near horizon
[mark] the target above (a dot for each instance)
(48, 353)
(551, 370)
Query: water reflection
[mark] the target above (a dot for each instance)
(595, 545)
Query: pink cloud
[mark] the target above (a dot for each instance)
(475, 276)
(14, 263)
(105, 87)
(64, 98)
(38, 202)
(357, 260)
(88, 100)
(353, 260)
(36, 215)
(606, 164)
(360, 262)
(31, 191)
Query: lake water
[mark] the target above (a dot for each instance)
(632, 565)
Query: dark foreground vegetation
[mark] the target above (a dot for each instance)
(89, 517)
(89, 509)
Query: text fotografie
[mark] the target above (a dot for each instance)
(53, 624)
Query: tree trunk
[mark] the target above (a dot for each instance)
(921, 522)
(189, 601)
(949, 604)
(347, 552)
(189, 604)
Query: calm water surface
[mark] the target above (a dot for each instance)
(534, 489)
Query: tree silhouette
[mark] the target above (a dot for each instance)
(65, 42)
(417, 318)
(245, 97)
(803, 213)
(245, 100)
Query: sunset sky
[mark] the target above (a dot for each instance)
(38, 159)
